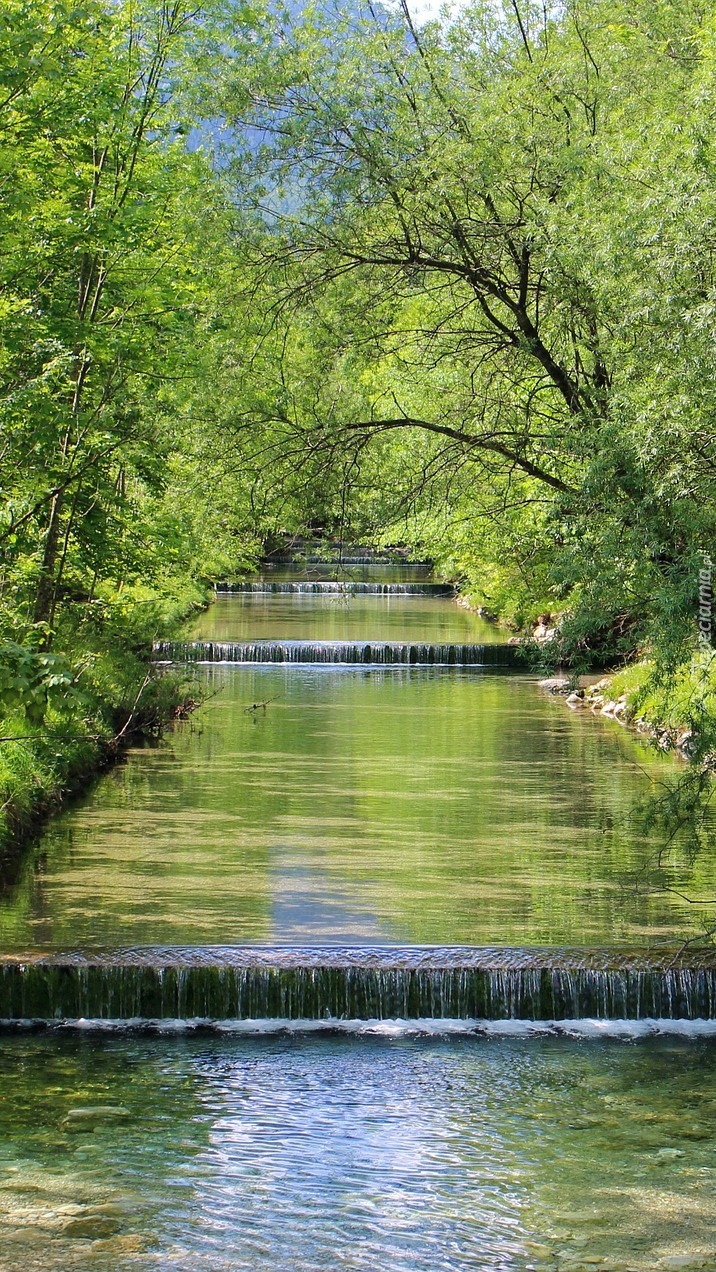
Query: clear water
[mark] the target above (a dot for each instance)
(407, 1154)
(359, 806)
(254, 616)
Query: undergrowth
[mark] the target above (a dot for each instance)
(66, 712)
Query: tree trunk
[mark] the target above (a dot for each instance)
(44, 595)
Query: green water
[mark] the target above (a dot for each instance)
(372, 1153)
(359, 806)
(373, 618)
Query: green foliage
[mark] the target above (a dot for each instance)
(29, 680)
(117, 239)
(678, 699)
(485, 256)
(265, 272)
(116, 236)
(65, 714)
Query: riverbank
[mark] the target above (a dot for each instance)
(670, 701)
(676, 712)
(76, 709)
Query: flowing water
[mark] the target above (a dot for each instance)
(342, 571)
(382, 1151)
(359, 806)
(469, 989)
(336, 588)
(357, 652)
(350, 902)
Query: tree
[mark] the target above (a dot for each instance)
(111, 225)
(495, 234)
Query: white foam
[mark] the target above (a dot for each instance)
(628, 1030)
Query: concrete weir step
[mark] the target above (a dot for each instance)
(332, 587)
(351, 652)
(319, 984)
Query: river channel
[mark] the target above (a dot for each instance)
(374, 808)
(360, 805)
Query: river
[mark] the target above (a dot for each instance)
(358, 816)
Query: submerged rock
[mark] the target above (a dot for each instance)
(538, 1250)
(90, 1115)
(684, 1262)
(128, 1243)
(555, 684)
(91, 1228)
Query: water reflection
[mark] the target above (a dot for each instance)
(421, 806)
(337, 570)
(430, 620)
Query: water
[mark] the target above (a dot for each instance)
(353, 808)
(341, 570)
(211, 985)
(359, 806)
(361, 653)
(335, 588)
(378, 1152)
(258, 616)
(345, 558)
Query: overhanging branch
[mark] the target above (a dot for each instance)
(471, 441)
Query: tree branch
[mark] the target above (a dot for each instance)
(472, 442)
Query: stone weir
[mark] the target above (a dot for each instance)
(350, 652)
(383, 559)
(335, 587)
(319, 984)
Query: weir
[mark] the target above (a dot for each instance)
(353, 653)
(226, 984)
(335, 587)
(351, 558)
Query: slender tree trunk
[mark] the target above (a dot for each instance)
(46, 583)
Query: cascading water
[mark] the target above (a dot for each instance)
(351, 558)
(335, 587)
(467, 983)
(358, 653)
(341, 985)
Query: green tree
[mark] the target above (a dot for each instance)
(111, 226)
(494, 238)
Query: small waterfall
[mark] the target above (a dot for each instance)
(382, 559)
(352, 652)
(335, 587)
(228, 984)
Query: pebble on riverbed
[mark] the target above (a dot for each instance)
(91, 1228)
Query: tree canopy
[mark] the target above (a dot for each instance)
(273, 269)
(487, 244)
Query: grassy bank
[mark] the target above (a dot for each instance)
(675, 708)
(70, 711)
(665, 688)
